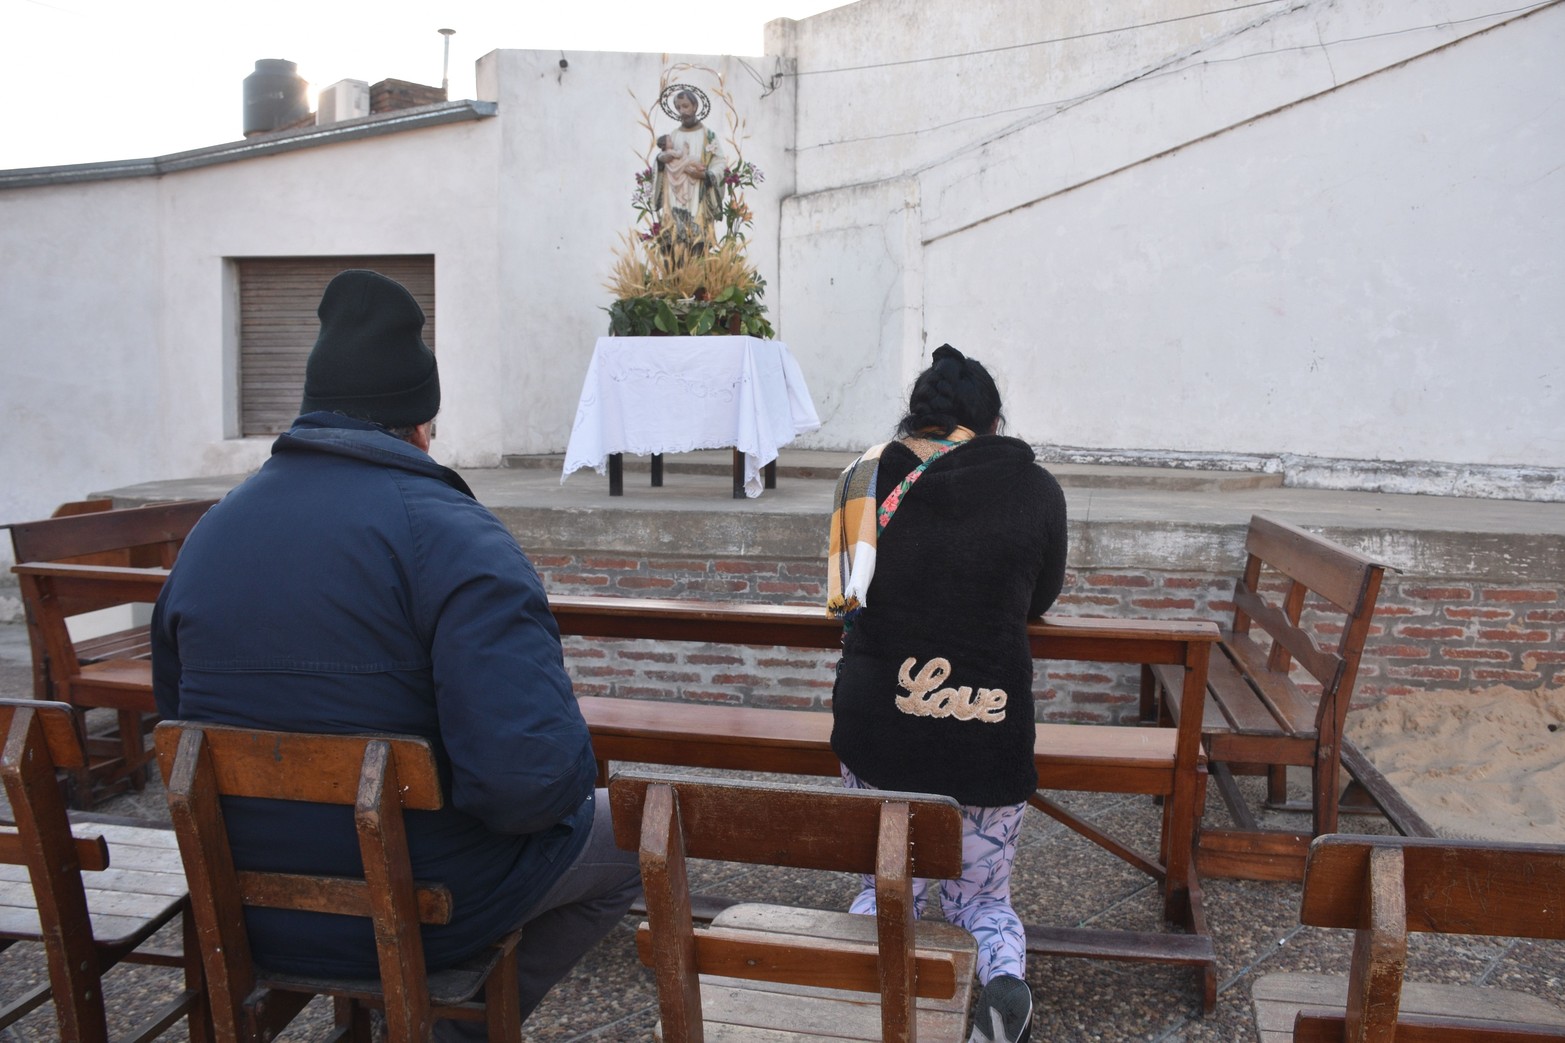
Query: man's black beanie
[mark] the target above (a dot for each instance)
(370, 361)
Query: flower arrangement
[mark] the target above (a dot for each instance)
(684, 271)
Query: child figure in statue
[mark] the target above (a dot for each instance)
(687, 190)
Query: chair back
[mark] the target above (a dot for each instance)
(1382, 888)
(379, 777)
(40, 737)
(1443, 886)
(895, 836)
(1347, 581)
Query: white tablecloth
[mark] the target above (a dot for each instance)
(646, 395)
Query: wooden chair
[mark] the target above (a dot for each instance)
(1258, 718)
(1382, 888)
(133, 887)
(380, 777)
(109, 670)
(793, 970)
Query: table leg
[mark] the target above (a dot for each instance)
(616, 474)
(657, 470)
(771, 475)
(738, 475)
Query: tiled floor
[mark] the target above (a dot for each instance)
(1060, 879)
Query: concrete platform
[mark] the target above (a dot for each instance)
(1121, 517)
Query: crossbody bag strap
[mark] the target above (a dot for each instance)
(893, 499)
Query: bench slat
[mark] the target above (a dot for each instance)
(1240, 706)
(56, 539)
(1323, 666)
(1452, 886)
(1332, 571)
(1081, 757)
(1297, 712)
(830, 963)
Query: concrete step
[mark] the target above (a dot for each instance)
(826, 465)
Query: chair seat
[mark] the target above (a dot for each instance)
(447, 987)
(1278, 997)
(142, 890)
(741, 1009)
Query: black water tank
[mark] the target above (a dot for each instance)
(274, 96)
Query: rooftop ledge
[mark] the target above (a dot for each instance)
(370, 126)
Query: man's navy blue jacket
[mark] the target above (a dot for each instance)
(355, 585)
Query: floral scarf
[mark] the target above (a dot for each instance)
(856, 525)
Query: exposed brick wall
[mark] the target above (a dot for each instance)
(390, 95)
(1426, 634)
(1464, 636)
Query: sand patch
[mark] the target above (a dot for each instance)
(1485, 765)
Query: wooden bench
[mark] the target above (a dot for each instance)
(77, 672)
(1167, 763)
(1256, 717)
(1383, 888)
(1075, 757)
(764, 969)
(92, 898)
(379, 776)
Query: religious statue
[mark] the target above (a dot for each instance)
(688, 187)
(682, 269)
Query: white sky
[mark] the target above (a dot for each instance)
(90, 80)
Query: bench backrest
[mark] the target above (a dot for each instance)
(378, 776)
(1384, 887)
(40, 737)
(87, 533)
(896, 836)
(1342, 578)
(134, 536)
(53, 593)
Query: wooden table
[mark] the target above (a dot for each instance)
(656, 395)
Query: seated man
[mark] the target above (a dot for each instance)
(355, 585)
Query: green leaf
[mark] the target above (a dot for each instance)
(665, 319)
(704, 319)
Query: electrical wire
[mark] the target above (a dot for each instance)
(1061, 103)
(1039, 43)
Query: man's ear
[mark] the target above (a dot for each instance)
(421, 435)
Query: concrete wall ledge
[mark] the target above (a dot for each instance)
(1158, 529)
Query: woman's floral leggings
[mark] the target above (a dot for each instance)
(980, 900)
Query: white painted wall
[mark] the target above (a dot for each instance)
(1261, 244)
(853, 289)
(81, 352)
(119, 301)
(1372, 273)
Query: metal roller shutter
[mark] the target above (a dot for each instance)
(277, 325)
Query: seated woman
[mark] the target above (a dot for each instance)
(944, 543)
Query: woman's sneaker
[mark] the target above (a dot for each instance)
(1003, 1013)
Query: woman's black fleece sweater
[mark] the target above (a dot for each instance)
(934, 690)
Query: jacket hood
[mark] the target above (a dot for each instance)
(323, 432)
